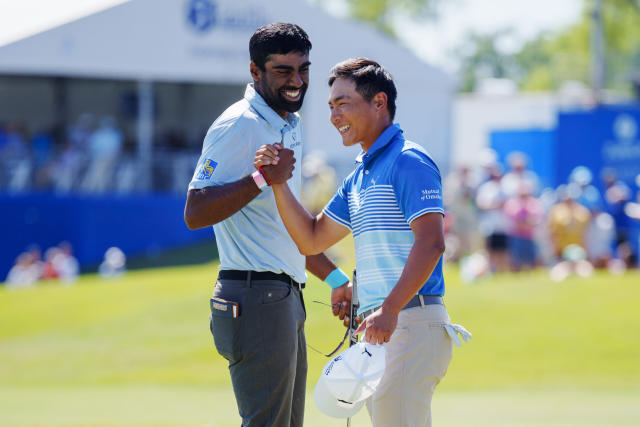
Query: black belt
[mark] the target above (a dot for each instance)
(416, 301)
(258, 275)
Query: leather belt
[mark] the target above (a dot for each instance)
(416, 301)
(258, 275)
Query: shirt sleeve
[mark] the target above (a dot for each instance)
(226, 155)
(338, 207)
(417, 185)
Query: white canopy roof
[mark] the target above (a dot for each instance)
(207, 41)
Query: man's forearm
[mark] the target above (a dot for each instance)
(320, 265)
(210, 205)
(299, 222)
(422, 260)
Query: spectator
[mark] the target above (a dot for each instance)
(42, 154)
(542, 236)
(568, 220)
(78, 134)
(114, 264)
(632, 211)
(49, 270)
(518, 174)
(65, 264)
(490, 201)
(616, 195)
(71, 162)
(15, 157)
(523, 212)
(487, 162)
(588, 195)
(460, 199)
(105, 145)
(600, 237)
(26, 271)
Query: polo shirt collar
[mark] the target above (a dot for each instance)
(267, 113)
(385, 138)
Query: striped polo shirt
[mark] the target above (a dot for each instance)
(395, 182)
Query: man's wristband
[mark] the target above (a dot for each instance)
(264, 175)
(258, 178)
(336, 278)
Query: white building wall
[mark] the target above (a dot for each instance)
(475, 116)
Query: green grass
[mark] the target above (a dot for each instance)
(137, 351)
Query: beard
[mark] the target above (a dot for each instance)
(277, 101)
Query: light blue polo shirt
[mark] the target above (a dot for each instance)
(395, 182)
(254, 238)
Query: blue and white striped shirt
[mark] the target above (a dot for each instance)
(394, 183)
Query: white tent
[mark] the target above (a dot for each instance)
(206, 41)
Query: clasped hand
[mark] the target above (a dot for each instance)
(277, 162)
(341, 303)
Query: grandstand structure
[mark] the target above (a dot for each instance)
(153, 76)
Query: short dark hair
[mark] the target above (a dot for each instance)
(277, 38)
(370, 78)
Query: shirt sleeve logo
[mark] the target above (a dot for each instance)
(430, 194)
(206, 170)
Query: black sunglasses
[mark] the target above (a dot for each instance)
(340, 344)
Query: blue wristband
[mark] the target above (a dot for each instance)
(336, 278)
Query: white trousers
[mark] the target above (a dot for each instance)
(418, 356)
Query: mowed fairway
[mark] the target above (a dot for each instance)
(137, 351)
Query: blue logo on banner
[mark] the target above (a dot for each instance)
(625, 128)
(201, 14)
(207, 169)
(205, 15)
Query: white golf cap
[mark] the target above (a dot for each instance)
(350, 378)
(330, 405)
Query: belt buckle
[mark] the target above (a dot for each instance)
(369, 312)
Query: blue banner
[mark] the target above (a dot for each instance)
(537, 144)
(138, 224)
(606, 137)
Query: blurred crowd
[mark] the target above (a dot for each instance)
(498, 218)
(59, 264)
(92, 155)
(501, 220)
(84, 160)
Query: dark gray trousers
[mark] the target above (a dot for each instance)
(266, 350)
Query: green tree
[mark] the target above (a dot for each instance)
(381, 14)
(551, 59)
(543, 63)
(481, 57)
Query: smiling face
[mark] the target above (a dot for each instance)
(357, 120)
(284, 81)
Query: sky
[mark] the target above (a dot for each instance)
(436, 41)
(433, 41)
(22, 18)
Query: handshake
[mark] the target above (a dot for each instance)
(275, 162)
